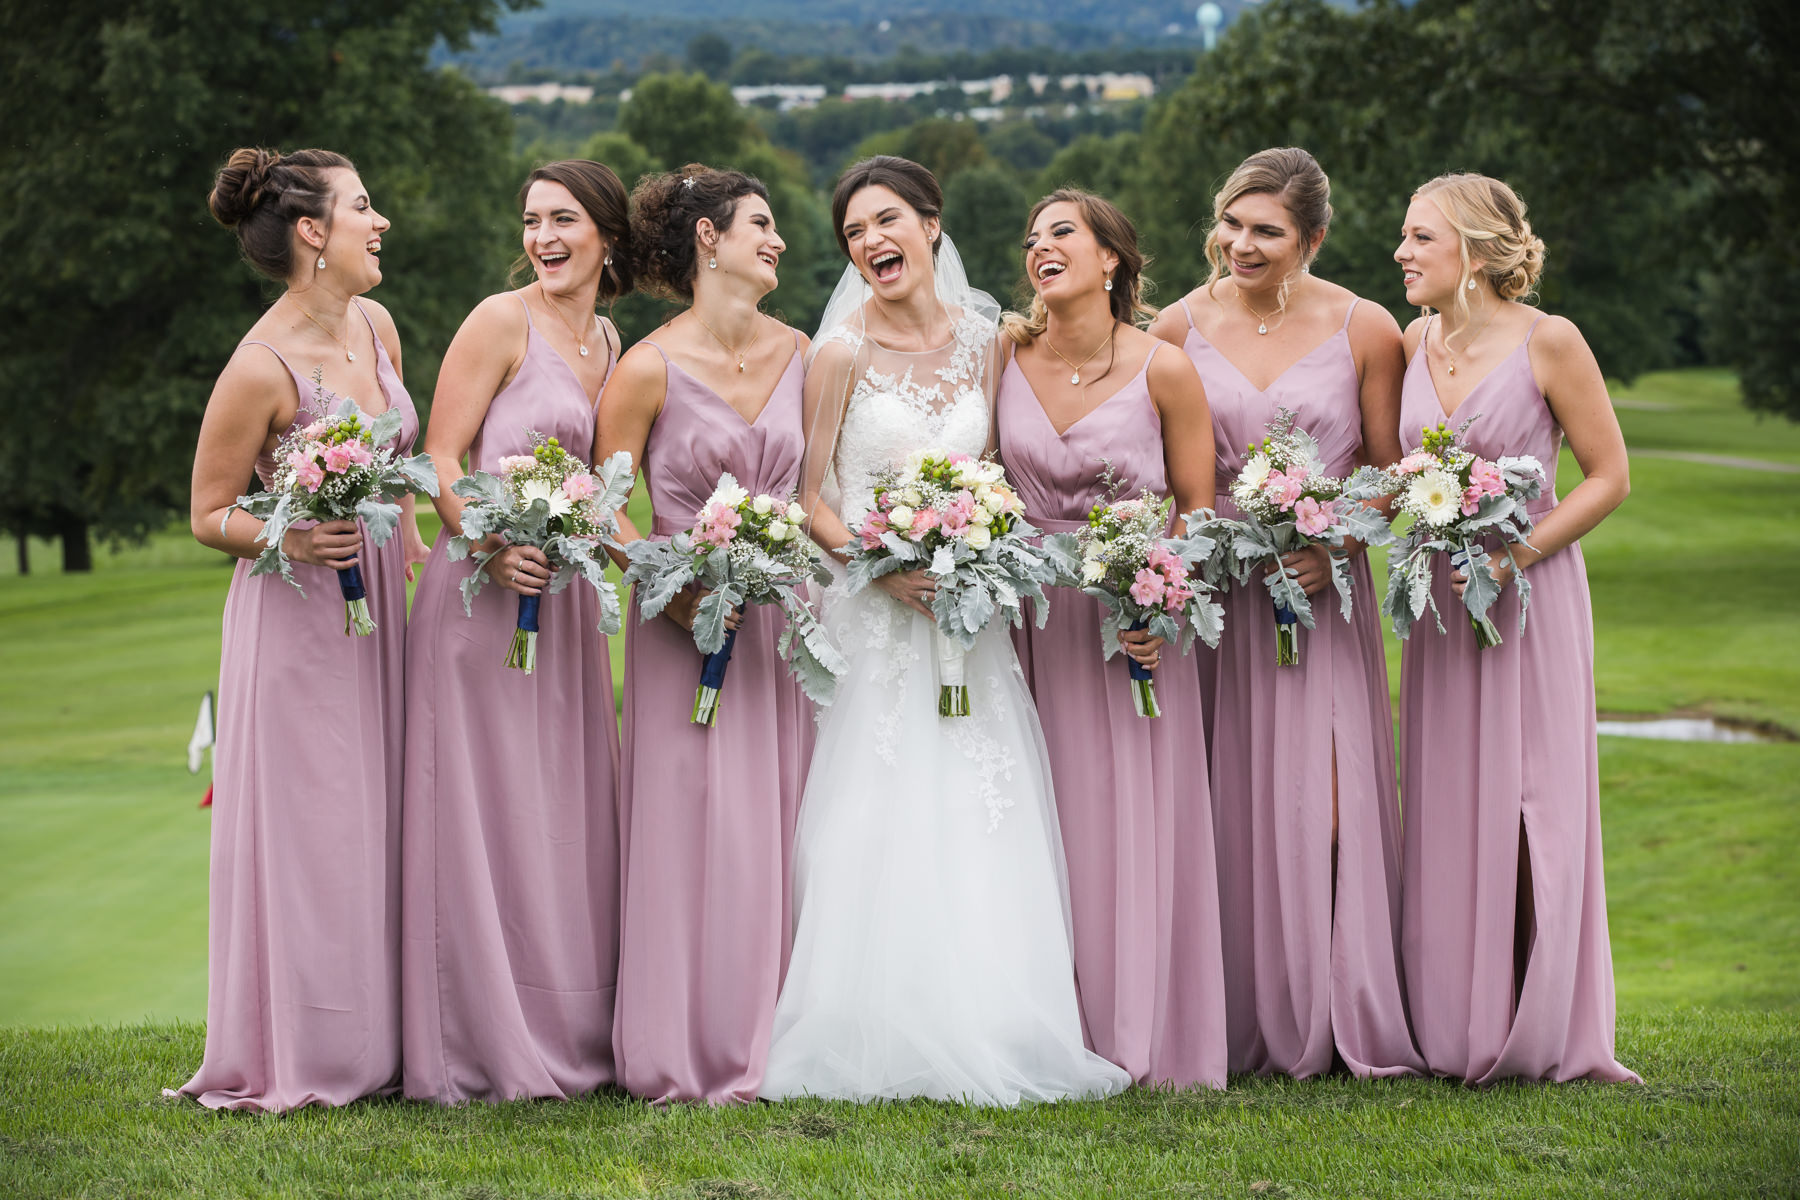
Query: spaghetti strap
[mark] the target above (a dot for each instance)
(529, 323)
(1532, 330)
(657, 348)
(1188, 313)
(271, 350)
(1354, 301)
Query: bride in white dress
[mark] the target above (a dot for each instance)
(931, 951)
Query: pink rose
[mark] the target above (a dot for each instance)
(1416, 462)
(924, 521)
(516, 462)
(308, 473)
(1283, 490)
(1148, 587)
(1312, 518)
(579, 486)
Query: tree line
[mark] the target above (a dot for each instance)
(1655, 145)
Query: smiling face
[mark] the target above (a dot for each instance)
(1430, 256)
(561, 241)
(354, 226)
(889, 242)
(1260, 241)
(750, 248)
(1063, 258)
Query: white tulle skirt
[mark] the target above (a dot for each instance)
(931, 951)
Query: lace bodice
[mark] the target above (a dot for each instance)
(937, 399)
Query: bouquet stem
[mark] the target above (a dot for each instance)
(712, 678)
(357, 620)
(522, 655)
(1143, 685)
(953, 693)
(1287, 636)
(1487, 634)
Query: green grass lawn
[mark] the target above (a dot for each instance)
(103, 926)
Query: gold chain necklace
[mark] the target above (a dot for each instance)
(1262, 322)
(1075, 367)
(755, 329)
(349, 354)
(1450, 353)
(580, 341)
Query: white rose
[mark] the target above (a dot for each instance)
(994, 501)
(978, 537)
(1093, 571)
(911, 496)
(981, 516)
(778, 531)
(900, 517)
(762, 505)
(795, 514)
(990, 472)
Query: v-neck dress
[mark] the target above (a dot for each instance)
(1312, 961)
(1131, 792)
(1496, 746)
(511, 837)
(708, 812)
(303, 904)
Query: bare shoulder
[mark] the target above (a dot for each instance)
(1372, 320)
(1170, 325)
(832, 353)
(641, 368)
(1169, 367)
(1415, 330)
(383, 322)
(252, 371)
(1558, 336)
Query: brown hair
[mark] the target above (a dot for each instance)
(904, 177)
(1490, 215)
(1114, 231)
(260, 194)
(1293, 177)
(665, 209)
(597, 189)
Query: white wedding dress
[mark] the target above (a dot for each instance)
(931, 950)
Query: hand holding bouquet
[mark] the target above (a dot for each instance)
(338, 468)
(745, 550)
(1289, 503)
(1455, 498)
(1145, 581)
(548, 499)
(958, 519)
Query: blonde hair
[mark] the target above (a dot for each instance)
(1490, 215)
(1115, 232)
(1292, 176)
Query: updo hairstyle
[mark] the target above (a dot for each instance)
(1292, 176)
(1489, 219)
(665, 210)
(1115, 232)
(596, 187)
(904, 177)
(260, 194)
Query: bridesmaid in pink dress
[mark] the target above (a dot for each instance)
(1508, 967)
(708, 812)
(511, 836)
(303, 1000)
(1087, 389)
(1306, 814)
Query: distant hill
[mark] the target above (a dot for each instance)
(580, 36)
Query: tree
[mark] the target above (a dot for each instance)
(941, 145)
(121, 299)
(984, 211)
(629, 161)
(683, 118)
(709, 54)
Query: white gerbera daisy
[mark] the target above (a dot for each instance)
(1435, 497)
(551, 494)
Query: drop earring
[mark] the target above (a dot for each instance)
(1471, 285)
(321, 261)
(1109, 285)
(607, 262)
(712, 264)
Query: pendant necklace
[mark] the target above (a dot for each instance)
(738, 354)
(349, 354)
(580, 341)
(1262, 322)
(1450, 353)
(1075, 367)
